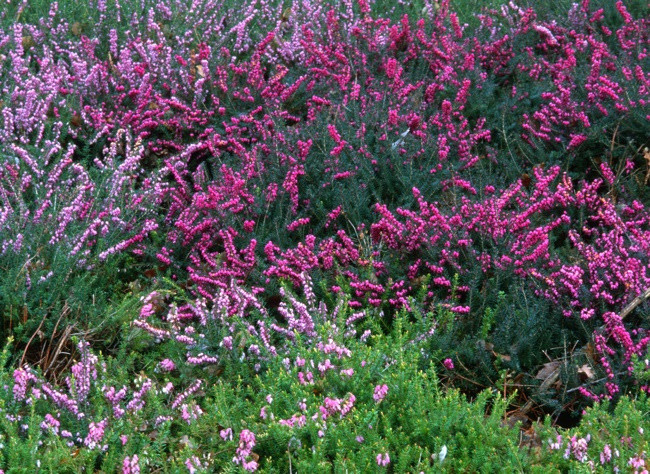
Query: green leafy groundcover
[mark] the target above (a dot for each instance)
(357, 236)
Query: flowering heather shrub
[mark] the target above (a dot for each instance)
(270, 192)
(337, 403)
(63, 226)
(290, 184)
(569, 84)
(602, 264)
(623, 447)
(102, 422)
(343, 403)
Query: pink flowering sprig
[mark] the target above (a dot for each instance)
(622, 447)
(131, 465)
(244, 450)
(383, 459)
(83, 373)
(95, 409)
(380, 393)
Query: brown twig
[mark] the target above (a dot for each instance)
(456, 374)
(22, 359)
(46, 357)
(635, 302)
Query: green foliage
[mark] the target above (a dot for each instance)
(412, 424)
(418, 423)
(421, 424)
(622, 430)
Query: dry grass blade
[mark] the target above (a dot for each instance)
(37, 332)
(52, 363)
(49, 358)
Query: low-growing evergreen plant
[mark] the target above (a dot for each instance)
(342, 236)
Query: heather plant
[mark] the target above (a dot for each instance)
(564, 92)
(338, 403)
(623, 446)
(64, 232)
(327, 208)
(386, 186)
(218, 235)
(88, 424)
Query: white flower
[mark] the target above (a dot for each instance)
(443, 453)
(401, 140)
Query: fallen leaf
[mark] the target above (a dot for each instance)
(590, 351)
(76, 28)
(530, 438)
(75, 120)
(214, 370)
(516, 417)
(503, 357)
(547, 370)
(586, 371)
(150, 273)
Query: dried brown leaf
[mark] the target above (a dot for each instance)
(503, 357)
(76, 28)
(586, 371)
(547, 370)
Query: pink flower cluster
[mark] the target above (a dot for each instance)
(380, 392)
(238, 161)
(244, 451)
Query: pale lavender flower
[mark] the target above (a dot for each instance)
(193, 464)
(606, 454)
(226, 434)
(95, 433)
(130, 465)
(637, 462)
(245, 448)
(383, 459)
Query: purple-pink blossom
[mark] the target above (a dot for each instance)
(380, 392)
